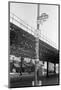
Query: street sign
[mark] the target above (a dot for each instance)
(42, 18)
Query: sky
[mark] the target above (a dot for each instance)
(28, 13)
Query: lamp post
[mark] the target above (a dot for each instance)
(40, 19)
(37, 49)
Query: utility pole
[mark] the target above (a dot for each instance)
(37, 48)
(40, 19)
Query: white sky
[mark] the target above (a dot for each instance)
(28, 12)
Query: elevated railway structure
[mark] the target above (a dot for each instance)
(22, 43)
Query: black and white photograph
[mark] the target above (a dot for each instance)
(33, 44)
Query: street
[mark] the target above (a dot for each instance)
(26, 81)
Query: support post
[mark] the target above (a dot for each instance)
(47, 67)
(54, 68)
(21, 65)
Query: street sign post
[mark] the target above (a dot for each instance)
(40, 20)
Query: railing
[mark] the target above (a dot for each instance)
(20, 23)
